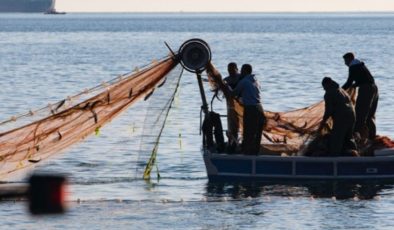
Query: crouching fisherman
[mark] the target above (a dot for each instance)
(339, 107)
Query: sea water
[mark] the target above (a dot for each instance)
(45, 58)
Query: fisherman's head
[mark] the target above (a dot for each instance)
(232, 68)
(348, 58)
(328, 83)
(246, 70)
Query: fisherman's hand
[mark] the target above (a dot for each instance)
(321, 126)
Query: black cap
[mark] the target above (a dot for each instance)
(326, 81)
(348, 55)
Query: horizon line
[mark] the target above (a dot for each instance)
(230, 12)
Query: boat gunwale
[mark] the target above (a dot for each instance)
(298, 158)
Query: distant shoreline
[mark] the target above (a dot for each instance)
(235, 12)
(213, 12)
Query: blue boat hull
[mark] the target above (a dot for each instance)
(264, 167)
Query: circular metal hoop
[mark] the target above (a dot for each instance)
(195, 54)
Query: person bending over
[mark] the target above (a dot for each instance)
(339, 107)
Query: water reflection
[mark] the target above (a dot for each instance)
(316, 189)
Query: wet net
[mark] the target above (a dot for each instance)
(291, 132)
(49, 130)
(155, 119)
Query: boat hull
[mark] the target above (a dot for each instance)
(263, 168)
(27, 6)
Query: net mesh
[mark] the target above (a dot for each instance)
(155, 119)
(51, 129)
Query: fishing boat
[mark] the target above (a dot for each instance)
(269, 165)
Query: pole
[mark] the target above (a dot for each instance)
(202, 93)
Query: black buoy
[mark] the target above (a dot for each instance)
(46, 194)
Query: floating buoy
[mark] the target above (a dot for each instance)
(47, 194)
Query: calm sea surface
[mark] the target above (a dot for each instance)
(45, 58)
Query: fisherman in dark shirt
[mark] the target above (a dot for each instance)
(339, 107)
(367, 99)
(253, 118)
(232, 116)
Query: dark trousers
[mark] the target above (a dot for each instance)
(341, 133)
(366, 105)
(253, 122)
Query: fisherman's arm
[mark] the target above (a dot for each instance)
(327, 111)
(236, 92)
(349, 81)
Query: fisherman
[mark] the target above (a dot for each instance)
(232, 116)
(248, 89)
(367, 99)
(339, 107)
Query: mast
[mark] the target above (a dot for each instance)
(52, 7)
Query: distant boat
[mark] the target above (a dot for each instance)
(26, 6)
(53, 11)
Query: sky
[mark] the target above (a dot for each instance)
(224, 5)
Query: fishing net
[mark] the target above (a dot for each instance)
(155, 119)
(49, 130)
(291, 132)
